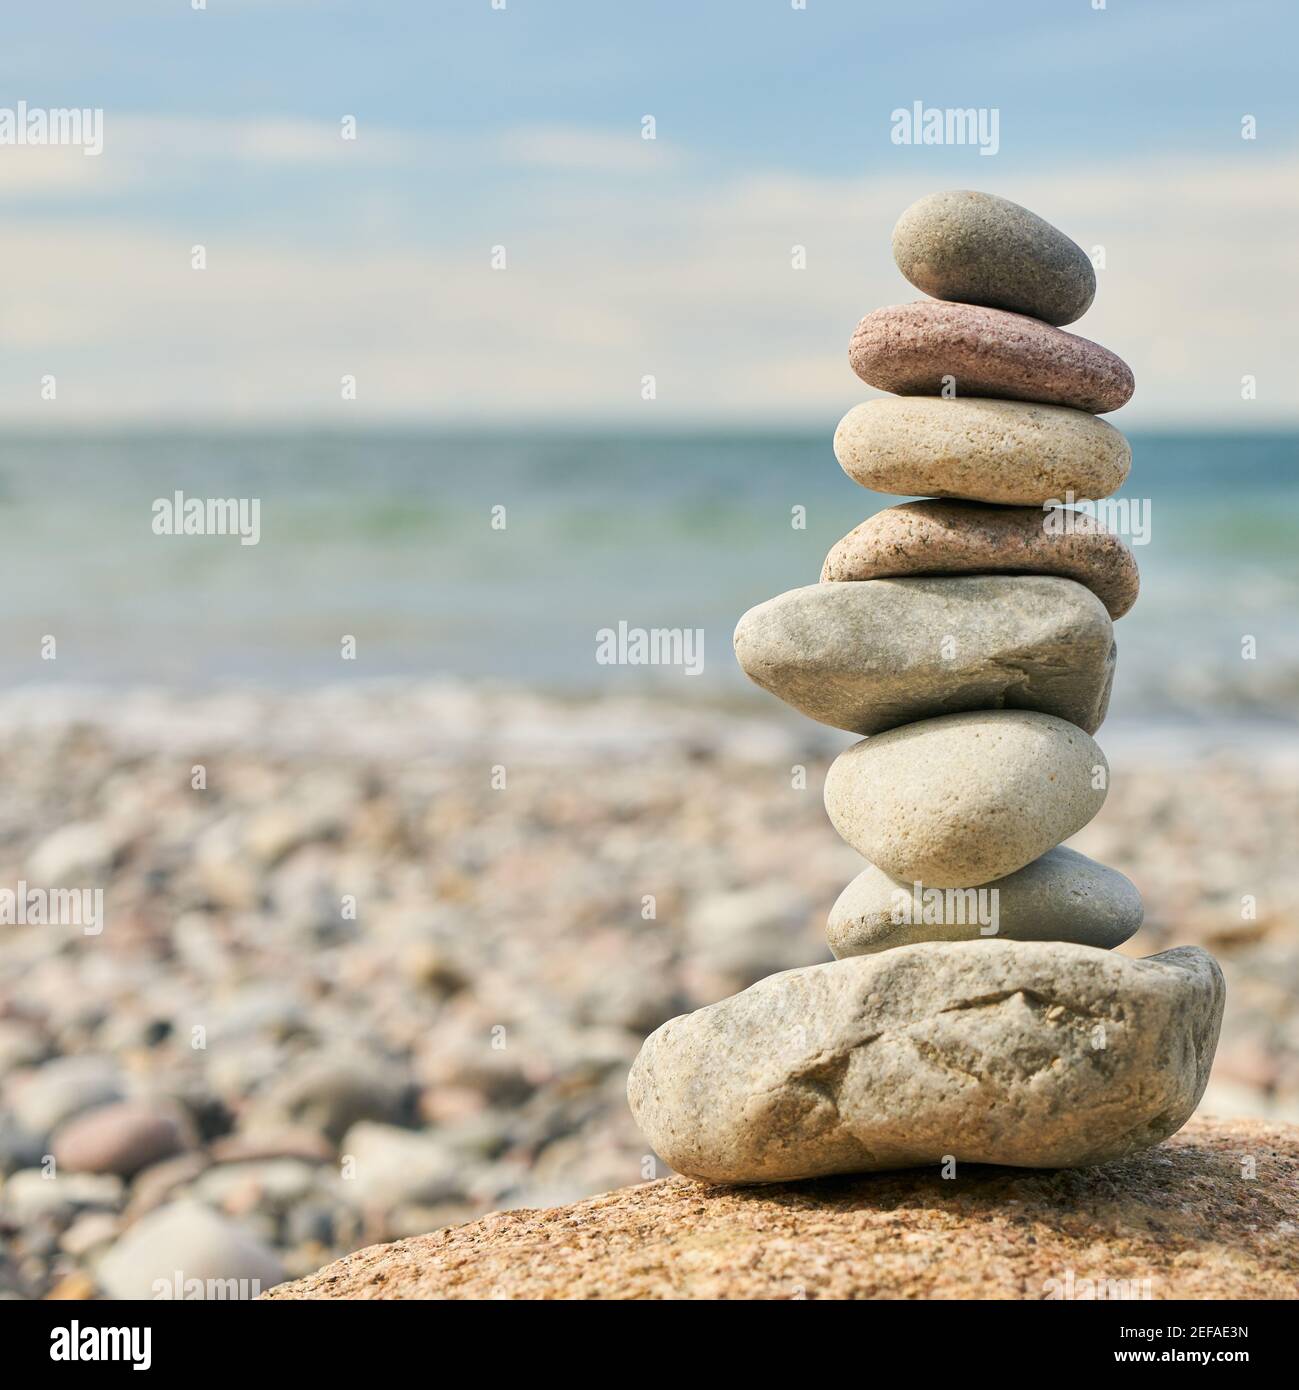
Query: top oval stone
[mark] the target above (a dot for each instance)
(976, 248)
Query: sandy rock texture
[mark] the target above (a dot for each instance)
(918, 349)
(1178, 1221)
(936, 537)
(1033, 1054)
(869, 656)
(1008, 453)
(981, 249)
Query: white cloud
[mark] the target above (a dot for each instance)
(591, 151)
(57, 172)
(146, 143)
(149, 151)
(690, 281)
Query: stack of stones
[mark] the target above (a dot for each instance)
(975, 1011)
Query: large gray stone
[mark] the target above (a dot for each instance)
(872, 654)
(1032, 1054)
(960, 800)
(1063, 896)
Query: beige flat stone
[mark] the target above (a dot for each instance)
(872, 655)
(1012, 453)
(1029, 1053)
(1061, 896)
(957, 801)
(933, 537)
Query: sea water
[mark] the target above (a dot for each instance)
(478, 555)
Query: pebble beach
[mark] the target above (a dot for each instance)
(421, 930)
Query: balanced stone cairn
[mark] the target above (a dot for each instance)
(975, 1010)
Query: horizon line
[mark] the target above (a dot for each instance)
(544, 426)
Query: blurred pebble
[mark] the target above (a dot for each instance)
(352, 943)
(30, 1194)
(387, 1167)
(42, 1099)
(185, 1251)
(120, 1138)
(330, 1094)
(89, 1232)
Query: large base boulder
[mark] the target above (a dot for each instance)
(1032, 1054)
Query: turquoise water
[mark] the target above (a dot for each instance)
(388, 537)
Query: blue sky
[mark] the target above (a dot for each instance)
(521, 127)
